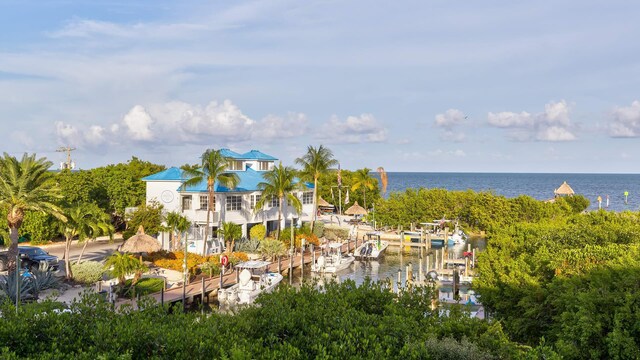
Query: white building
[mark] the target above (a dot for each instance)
(230, 205)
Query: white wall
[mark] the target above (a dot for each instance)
(156, 189)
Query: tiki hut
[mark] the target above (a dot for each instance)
(141, 243)
(564, 190)
(324, 206)
(356, 210)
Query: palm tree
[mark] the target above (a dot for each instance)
(177, 224)
(230, 232)
(213, 169)
(26, 185)
(280, 182)
(315, 163)
(122, 264)
(80, 224)
(362, 179)
(99, 225)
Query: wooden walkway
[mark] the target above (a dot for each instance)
(207, 286)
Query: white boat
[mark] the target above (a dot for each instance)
(458, 237)
(333, 260)
(371, 248)
(254, 279)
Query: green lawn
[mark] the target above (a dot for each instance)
(144, 286)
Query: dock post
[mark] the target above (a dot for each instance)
(473, 263)
(421, 242)
(202, 297)
(469, 247)
(162, 297)
(409, 275)
(428, 241)
(237, 276)
(420, 271)
(302, 261)
(220, 287)
(428, 261)
(401, 241)
(466, 266)
(313, 255)
(446, 237)
(399, 280)
(279, 265)
(291, 267)
(435, 260)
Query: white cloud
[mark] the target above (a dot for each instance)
(625, 121)
(355, 129)
(450, 119)
(507, 119)
(554, 124)
(275, 127)
(439, 153)
(180, 123)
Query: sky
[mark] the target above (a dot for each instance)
(435, 86)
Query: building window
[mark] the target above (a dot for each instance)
(274, 202)
(254, 200)
(204, 200)
(263, 165)
(235, 165)
(234, 202)
(186, 202)
(307, 198)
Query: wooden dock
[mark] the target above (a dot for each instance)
(208, 286)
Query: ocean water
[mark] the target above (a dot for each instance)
(538, 186)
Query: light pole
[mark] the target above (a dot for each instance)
(291, 251)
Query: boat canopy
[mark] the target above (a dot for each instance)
(335, 245)
(253, 264)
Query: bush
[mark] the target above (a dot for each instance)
(318, 229)
(40, 227)
(87, 272)
(336, 233)
(271, 248)
(173, 260)
(247, 245)
(258, 232)
(143, 287)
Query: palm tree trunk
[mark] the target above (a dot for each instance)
(13, 249)
(82, 252)
(315, 202)
(364, 195)
(279, 217)
(67, 259)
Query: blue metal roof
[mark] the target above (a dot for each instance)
(171, 174)
(249, 181)
(230, 154)
(257, 155)
(249, 155)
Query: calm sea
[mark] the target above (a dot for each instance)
(538, 186)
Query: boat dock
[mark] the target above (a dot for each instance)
(208, 286)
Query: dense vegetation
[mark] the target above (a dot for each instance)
(340, 322)
(574, 281)
(474, 210)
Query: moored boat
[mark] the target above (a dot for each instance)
(372, 248)
(332, 260)
(254, 279)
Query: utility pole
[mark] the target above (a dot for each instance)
(66, 149)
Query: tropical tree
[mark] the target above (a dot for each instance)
(230, 232)
(99, 225)
(26, 185)
(280, 182)
(315, 163)
(122, 264)
(213, 169)
(83, 221)
(177, 224)
(363, 179)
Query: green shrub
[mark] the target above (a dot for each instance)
(258, 232)
(318, 229)
(336, 233)
(247, 245)
(40, 227)
(87, 272)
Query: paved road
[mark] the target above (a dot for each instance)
(96, 250)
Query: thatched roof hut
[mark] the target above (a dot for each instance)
(141, 243)
(564, 190)
(356, 210)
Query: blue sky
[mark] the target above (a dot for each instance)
(408, 85)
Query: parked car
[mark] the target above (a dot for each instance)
(31, 257)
